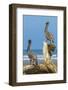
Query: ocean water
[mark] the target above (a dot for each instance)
(39, 54)
(34, 51)
(27, 62)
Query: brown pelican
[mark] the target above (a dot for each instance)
(49, 36)
(51, 48)
(31, 55)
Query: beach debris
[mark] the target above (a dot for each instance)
(48, 67)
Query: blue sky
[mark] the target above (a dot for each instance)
(34, 30)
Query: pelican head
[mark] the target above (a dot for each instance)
(47, 23)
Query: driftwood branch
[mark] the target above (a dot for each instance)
(47, 67)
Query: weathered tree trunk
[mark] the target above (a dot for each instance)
(46, 55)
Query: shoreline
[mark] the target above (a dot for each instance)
(39, 56)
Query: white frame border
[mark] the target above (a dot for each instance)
(42, 77)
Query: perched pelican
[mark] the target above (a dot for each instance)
(49, 36)
(51, 48)
(31, 55)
